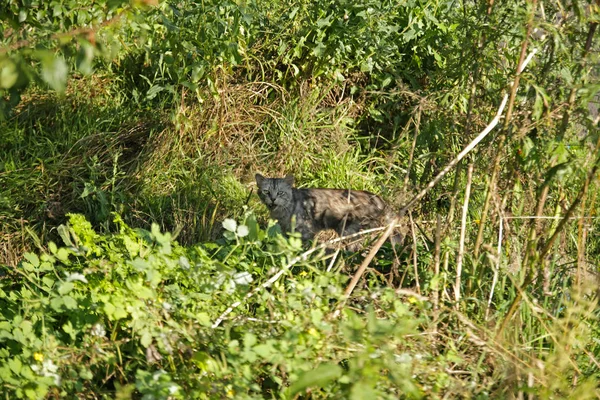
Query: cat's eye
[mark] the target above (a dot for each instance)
(280, 193)
(265, 192)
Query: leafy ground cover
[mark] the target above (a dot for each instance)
(122, 121)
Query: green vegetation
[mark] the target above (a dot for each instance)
(123, 120)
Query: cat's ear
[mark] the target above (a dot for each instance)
(289, 179)
(259, 179)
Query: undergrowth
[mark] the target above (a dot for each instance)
(121, 121)
(104, 315)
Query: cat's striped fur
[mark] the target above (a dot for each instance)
(343, 210)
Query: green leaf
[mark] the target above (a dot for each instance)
(48, 281)
(120, 313)
(253, 228)
(8, 74)
(30, 393)
(26, 327)
(319, 49)
(323, 22)
(27, 266)
(203, 319)
(230, 225)
(109, 309)
(65, 288)
(86, 374)
(70, 302)
(15, 365)
(318, 377)
(54, 72)
(153, 91)
(62, 254)
(146, 339)
(68, 327)
(264, 350)
(65, 235)
(250, 340)
(163, 239)
(32, 258)
(361, 390)
(57, 304)
(229, 235)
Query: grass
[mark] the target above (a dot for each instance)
(189, 168)
(93, 151)
(187, 165)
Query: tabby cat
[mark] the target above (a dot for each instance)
(343, 210)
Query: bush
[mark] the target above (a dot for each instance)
(107, 314)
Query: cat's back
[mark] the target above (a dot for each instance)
(343, 201)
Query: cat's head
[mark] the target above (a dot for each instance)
(276, 193)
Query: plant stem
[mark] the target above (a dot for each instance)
(463, 229)
(491, 187)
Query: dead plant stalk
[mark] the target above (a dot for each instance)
(548, 245)
(523, 61)
(417, 198)
(415, 263)
(463, 229)
(436, 263)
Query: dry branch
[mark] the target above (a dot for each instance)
(523, 61)
(463, 229)
(418, 197)
(295, 260)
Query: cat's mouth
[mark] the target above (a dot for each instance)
(276, 207)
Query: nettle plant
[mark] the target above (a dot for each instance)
(106, 315)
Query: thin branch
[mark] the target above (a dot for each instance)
(436, 263)
(418, 197)
(415, 264)
(459, 157)
(301, 257)
(463, 229)
(523, 61)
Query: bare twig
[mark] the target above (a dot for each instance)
(459, 157)
(333, 258)
(463, 229)
(295, 260)
(436, 263)
(418, 197)
(546, 248)
(415, 264)
(523, 61)
(368, 258)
